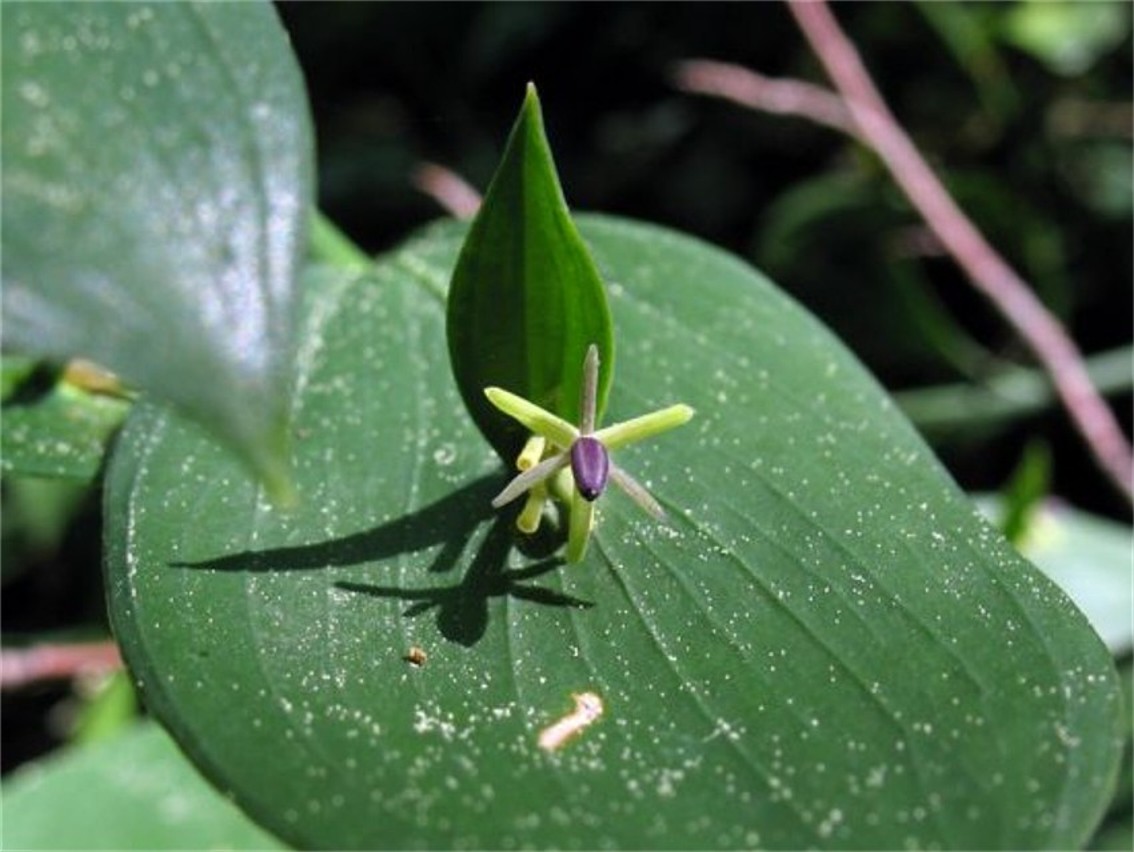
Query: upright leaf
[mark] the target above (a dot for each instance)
(827, 648)
(156, 186)
(526, 298)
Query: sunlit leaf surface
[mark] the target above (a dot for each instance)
(156, 187)
(828, 647)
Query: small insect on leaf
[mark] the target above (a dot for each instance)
(588, 708)
(416, 657)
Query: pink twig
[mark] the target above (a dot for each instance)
(21, 666)
(989, 272)
(448, 189)
(747, 88)
(872, 123)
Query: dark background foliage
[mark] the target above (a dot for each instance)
(1035, 148)
(1033, 155)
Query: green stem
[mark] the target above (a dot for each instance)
(328, 244)
(1008, 396)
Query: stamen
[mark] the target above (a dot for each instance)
(531, 453)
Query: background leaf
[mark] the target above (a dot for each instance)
(52, 428)
(134, 791)
(167, 251)
(1068, 37)
(1089, 558)
(526, 298)
(827, 648)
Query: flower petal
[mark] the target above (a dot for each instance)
(538, 420)
(637, 492)
(630, 431)
(528, 478)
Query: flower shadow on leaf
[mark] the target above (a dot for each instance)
(462, 608)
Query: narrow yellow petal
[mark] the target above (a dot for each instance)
(654, 423)
(536, 419)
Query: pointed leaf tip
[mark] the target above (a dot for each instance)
(526, 298)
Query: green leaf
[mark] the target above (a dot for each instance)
(526, 298)
(1067, 37)
(38, 513)
(828, 647)
(1088, 557)
(156, 188)
(58, 431)
(15, 372)
(1025, 489)
(133, 791)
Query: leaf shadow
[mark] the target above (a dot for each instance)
(462, 608)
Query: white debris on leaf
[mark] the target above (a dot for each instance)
(588, 707)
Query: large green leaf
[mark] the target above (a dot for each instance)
(134, 791)
(526, 299)
(156, 186)
(828, 647)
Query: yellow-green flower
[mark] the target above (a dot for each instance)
(577, 456)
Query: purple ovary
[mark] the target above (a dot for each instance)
(590, 465)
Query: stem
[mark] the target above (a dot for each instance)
(1007, 396)
(579, 527)
(755, 91)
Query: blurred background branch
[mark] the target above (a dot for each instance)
(858, 109)
(21, 667)
(455, 195)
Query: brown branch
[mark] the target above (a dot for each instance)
(448, 189)
(22, 666)
(874, 125)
